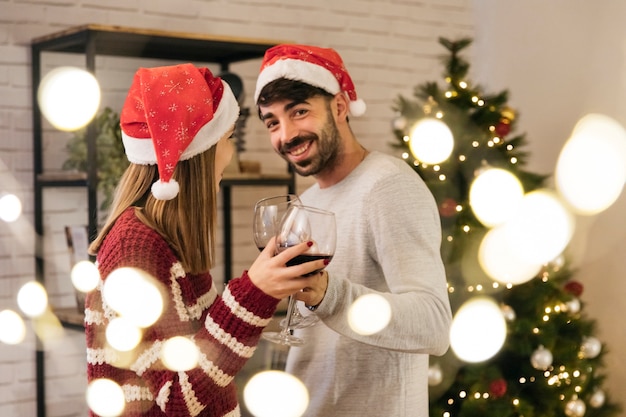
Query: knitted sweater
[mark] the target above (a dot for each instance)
(388, 243)
(225, 328)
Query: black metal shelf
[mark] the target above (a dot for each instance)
(92, 40)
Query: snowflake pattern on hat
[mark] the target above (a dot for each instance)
(171, 114)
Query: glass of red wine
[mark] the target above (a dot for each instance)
(303, 224)
(268, 213)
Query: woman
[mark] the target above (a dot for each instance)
(176, 124)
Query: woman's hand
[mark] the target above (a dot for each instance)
(271, 275)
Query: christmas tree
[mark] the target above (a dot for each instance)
(549, 363)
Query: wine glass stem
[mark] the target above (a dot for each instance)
(290, 308)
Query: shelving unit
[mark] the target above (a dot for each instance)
(92, 40)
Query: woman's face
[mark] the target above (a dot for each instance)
(223, 154)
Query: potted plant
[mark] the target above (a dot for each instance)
(111, 158)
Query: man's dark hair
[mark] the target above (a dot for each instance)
(284, 89)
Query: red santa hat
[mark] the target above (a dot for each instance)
(171, 114)
(319, 67)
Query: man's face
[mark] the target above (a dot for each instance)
(303, 133)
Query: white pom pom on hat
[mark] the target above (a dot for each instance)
(171, 114)
(319, 67)
(165, 190)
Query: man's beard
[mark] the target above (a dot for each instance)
(328, 150)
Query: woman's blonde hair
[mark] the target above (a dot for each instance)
(186, 222)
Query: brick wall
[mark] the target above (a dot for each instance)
(388, 46)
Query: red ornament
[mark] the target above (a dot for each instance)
(503, 128)
(574, 287)
(498, 388)
(448, 207)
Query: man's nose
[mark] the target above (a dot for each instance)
(288, 131)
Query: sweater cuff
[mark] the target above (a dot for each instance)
(251, 297)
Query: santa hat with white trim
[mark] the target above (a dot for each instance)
(319, 67)
(171, 114)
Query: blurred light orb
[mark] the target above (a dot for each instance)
(275, 394)
(494, 196)
(591, 169)
(122, 335)
(369, 314)
(500, 259)
(180, 354)
(105, 397)
(12, 328)
(69, 97)
(10, 207)
(478, 330)
(85, 276)
(435, 375)
(32, 299)
(541, 229)
(431, 141)
(134, 295)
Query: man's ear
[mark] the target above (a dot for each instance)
(342, 106)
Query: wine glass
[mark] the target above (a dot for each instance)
(267, 215)
(303, 224)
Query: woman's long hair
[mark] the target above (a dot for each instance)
(186, 222)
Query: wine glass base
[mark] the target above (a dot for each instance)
(283, 338)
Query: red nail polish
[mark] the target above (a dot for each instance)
(309, 244)
(326, 261)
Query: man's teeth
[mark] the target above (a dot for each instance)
(299, 150)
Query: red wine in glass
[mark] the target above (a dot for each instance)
(303, 224)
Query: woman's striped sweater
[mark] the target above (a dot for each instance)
(225, 328)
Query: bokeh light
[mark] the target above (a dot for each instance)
(122, 334)
(591, 169)
(85, 276)
(500, 259)
(495, 195)
(69, 97)
(10, 207)
(431, 141)
(275, 394)
(180, 354)
(105, 398)
(134, 295)
(478, 330)
(369, 314)
(541, 229)
(32, 299)
(12, 328)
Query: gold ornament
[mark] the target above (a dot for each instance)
(508, 113)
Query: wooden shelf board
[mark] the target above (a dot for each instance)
(149, 43)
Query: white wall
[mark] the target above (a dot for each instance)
(389, 47)
(560, 60)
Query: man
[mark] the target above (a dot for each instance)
(388, 243)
